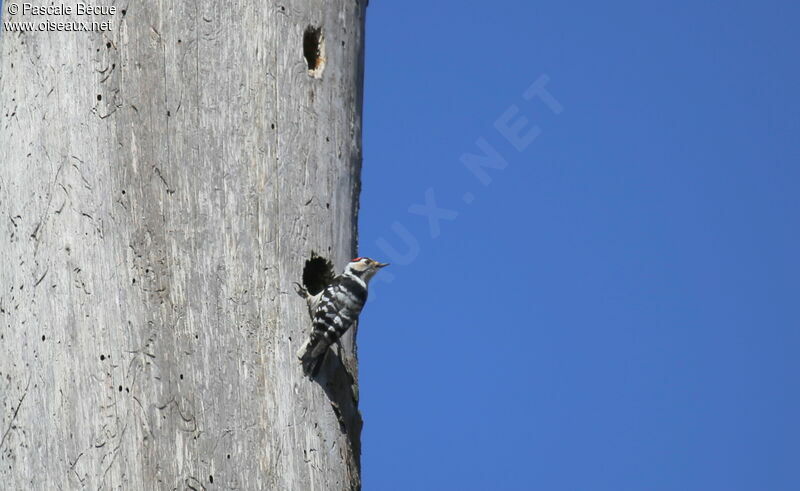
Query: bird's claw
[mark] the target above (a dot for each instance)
(300, 290)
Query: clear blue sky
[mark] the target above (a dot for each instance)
(618, 308)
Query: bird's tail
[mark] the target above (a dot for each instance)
(310, 359)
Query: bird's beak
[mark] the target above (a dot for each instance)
(381, 265)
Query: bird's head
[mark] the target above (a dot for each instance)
(364, 267)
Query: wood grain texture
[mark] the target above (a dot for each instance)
(161, 186)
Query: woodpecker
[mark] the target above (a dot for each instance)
(335, 309)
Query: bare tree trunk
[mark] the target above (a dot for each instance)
(162, 184)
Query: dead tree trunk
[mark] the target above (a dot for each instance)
(162, 184)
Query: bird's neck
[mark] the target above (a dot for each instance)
(360, 279)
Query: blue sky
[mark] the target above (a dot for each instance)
(617, 308)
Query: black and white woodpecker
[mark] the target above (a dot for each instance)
(335, 309)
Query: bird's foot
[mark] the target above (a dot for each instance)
(300, 290)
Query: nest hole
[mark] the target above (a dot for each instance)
(317, 274)
(314, 50)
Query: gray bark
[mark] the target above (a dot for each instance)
(161, 187)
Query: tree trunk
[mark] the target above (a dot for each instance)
(162, 184)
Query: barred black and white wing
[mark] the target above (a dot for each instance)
(336, 309)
